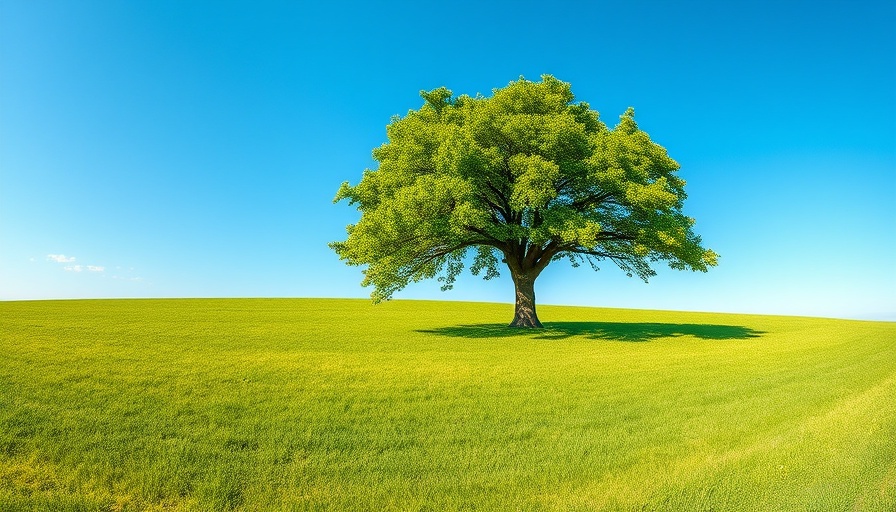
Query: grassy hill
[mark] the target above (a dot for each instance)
(306, 404)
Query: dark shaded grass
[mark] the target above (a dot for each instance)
(610, 331)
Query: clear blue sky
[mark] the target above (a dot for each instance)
(192, 149)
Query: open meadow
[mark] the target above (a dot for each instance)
(325, 404)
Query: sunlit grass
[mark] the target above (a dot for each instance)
(337, 404)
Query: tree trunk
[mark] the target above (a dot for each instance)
(525, 302)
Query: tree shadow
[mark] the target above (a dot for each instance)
(613, 331)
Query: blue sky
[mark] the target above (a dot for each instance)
(192, 149)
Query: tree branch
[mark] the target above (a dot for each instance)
(506, 211)
(588, 252)
(547, 253)
(593, 200)
(491, 241)
(494, 208)
(613, 235)
(438, 254)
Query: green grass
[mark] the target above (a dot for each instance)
(341, 405)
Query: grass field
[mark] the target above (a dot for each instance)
(308, 404)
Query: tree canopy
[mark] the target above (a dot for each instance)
(523, 177)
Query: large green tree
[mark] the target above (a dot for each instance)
(524, 177)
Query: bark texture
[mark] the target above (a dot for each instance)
(525, 315)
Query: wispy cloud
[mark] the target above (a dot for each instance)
(120, 278)
(98, 269)
(81, 268)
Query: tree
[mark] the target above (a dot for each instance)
(527, 176)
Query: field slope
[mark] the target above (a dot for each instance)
(305, 404)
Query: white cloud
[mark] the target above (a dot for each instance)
(81, 268)
(62, 258)
(120, 278)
